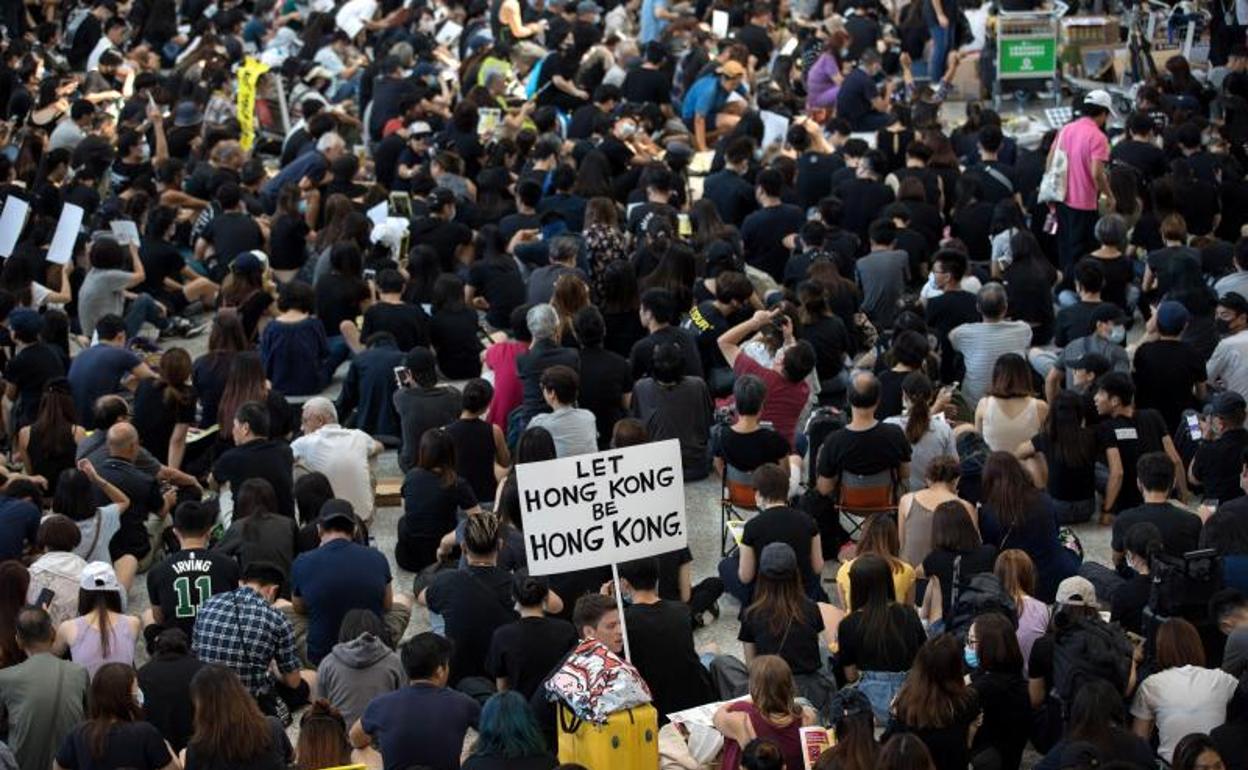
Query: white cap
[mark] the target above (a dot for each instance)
(99, 576)
(1100, 98)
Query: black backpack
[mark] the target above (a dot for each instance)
(976, 595)
(1085, 649)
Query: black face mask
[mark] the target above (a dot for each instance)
(1223, 326)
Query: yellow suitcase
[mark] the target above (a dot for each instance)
(628, 741)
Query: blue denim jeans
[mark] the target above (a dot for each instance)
(880, 687)
(143, 309)
(940, 50)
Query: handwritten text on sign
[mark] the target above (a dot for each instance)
(597, 509)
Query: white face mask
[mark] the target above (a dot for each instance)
(1117, 334)
(138, 697)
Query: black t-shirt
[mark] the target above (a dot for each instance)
(1146, 158)
(339, 298)
(260, 459)
(763, 233)
(707, 324)
(145, 498)
(430, 506)
(444, 237)
(642, 355)
(1218, 464)
(947, 744)
(155, 419)
(1003, 696)
(814, 170)
(500, 282)
(783, 525)
(160, 261)
(29, 370)
(1132, 437)
(944, 313)
(890, 393)
(646, 86)
(231, 233)
(748, 451)
(407, 322)
(526, 650)
(797, 643)
(453, 334)
(972, 224)
(830, 339)
(276, 758)
(288, 240)
(732, 195)
(185, 580)
(166, 684)
(661, 641)
(880, 447)
(605, 378)
(757, 40)
(861, 203)
(135, 745)
(938, 565)
(1067, 483)
(475, 602)
(992, 188)
(1127, 606)
(893, 653)
(1180, 528)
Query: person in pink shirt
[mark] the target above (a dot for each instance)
(500, 358)
(1087, 153)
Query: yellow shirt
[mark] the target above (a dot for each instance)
(903, 582)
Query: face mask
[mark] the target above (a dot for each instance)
(1224, 327)
(970, 656)
(138, 697)
(1117, 334)
(145, 153)
(428, 25)
(303, 206)
(931, 282)
(626, 130)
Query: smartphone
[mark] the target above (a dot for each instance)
(370, 274)
(400, 376)
(685, 229)
(1193, 426)
(45, 598)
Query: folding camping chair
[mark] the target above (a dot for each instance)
(737, 504)
(859, 496)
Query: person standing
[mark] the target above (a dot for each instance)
(1087, 155)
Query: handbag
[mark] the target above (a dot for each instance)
(1053, 183)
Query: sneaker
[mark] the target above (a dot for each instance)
(180, 327)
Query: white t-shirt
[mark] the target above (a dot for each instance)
(342, 455)
(1184, 700)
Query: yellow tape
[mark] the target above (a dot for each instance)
(248, 75)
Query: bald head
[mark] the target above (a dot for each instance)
(864, 392)
(123, 441)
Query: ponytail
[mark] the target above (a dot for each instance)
(918, 388)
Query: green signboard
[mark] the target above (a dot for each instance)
(1026, 57)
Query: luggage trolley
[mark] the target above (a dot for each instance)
(1026, 50)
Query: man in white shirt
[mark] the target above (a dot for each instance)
(73, 129)
(342, 454)
(1228, 366)
(114, 33)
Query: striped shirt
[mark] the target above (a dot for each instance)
(981, 344)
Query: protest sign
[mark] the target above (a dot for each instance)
(248, 75)
(62, 248)
(352, 16)
(11, 223)
(719, 24)
(597, 509)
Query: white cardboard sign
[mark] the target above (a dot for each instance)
(11, 223)
(62, 248)
(596, 509)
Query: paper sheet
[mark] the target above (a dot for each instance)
(719, 23)
(377, 214)
(790, 46)
(488, 119)
(448, 34)
(11, 223)
(62, 248)
(775, 127)
(353, 14)
(126, 231)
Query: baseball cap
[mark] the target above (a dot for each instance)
(1100, 98)
(778, 561)
(419, 128)
(1076, 591)
(336, 509)
(588, 6)
(1108, 312)
(1095, 363)
(1227, 403)
(440, 197)
(732, 69)
(1172, 317)
(1234, 301)
(247, 262)
(26, 322)
(99, 576)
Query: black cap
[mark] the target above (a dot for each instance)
(778, 560)
(440, 197)
(1108, 312)
(1228, 403)
(336, 509)
(1234, 301)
